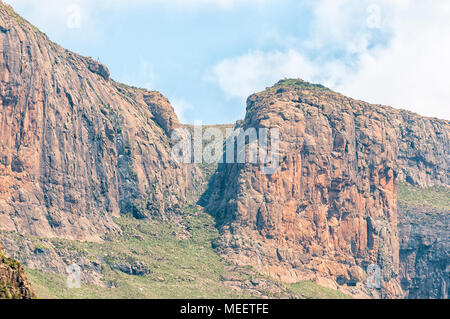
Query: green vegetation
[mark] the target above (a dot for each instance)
(12, 263)
(132, 172)
(177, 267)
(432, 197)
(309, 290)
(89, 83)
(124, 90)
(40, 247)
(7, 291)
(300, 84)
(180, 261)
(14, 15)
(20, 20)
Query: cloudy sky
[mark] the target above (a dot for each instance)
(207, 56)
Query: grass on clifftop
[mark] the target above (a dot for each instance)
(432, 197)
(300, 84)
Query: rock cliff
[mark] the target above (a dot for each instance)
(424, 253)
(78, 148)
(330, 210)
(424, 219)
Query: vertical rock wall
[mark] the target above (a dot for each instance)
(330, 210)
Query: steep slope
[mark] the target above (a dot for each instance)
(154, 259)
(424, 219)
(78, 148)
(330, 210)
(13, 281)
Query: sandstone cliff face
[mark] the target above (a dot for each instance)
(76, 147)
(13, 282)
(330, 210)
(423, 149)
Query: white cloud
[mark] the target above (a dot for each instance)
(181, 107)
(241, 76)
(411, 71)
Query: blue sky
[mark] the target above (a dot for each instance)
(207, 56)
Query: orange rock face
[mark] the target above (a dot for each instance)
(77, 148)
(330, 210)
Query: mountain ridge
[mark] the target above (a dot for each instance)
(78, 144)
(82, 153)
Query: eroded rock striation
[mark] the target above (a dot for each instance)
(330, 210)
(78, 148)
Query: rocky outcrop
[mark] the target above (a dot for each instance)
(423, 149)
(137, 268)
(13, 281)
(330, 210)
(76, 147)
(424, 252)
(97, 68)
